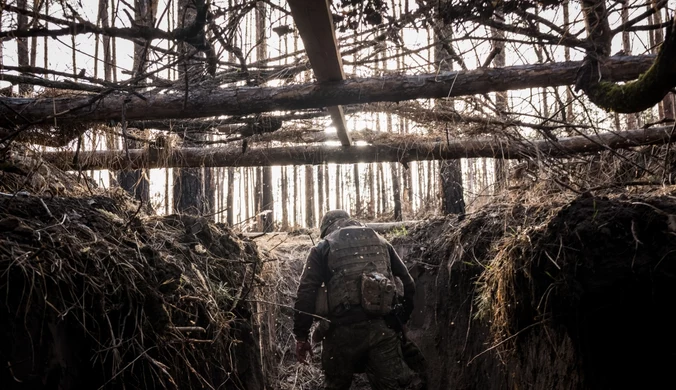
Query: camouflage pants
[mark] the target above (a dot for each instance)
(370, 343)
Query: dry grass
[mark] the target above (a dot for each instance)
(109, 298)
(282, 275)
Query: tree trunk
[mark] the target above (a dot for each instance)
(382, 190)
(346, 207)
(396, 192)
(188, 191)
(667, 105)
(501, 102)
(320, 192)
(632, 122)
(219, 183)
(421, 185)
(309, 197)
(452, 201)
(136, 182)
(22, 48)
(327, 206)
(37, 4)
(245, 188)
(285, 199)
(209, 192)
(230, 200)
(111, 139)
(268, 201)
(408, 175)
(189, 194)
(429, 202)
(357, 191)
(296, 194)
(247, 100)
(372, 193)
(339, 203)
(267, 184)
(258, 197)
(450, 171)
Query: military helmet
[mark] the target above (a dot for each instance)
(330, 218)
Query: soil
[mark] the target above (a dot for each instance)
(549, 296)
(614, 281)
(555, 293)
(95, 294)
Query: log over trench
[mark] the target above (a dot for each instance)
(16, 113)
(393, 152)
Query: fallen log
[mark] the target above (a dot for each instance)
(18, 113)
(397, 151)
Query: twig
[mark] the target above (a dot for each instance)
(188, 329)
(65, 216)
(46, 208)
(125, 367)
(290, 307)
(503, 341)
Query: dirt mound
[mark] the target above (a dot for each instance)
(548, 296)
(96, 296)
(446, 257)
(598, 278)
(21, 171)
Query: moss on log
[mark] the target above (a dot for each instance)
(641, 94)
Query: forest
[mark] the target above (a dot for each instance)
(165, 166)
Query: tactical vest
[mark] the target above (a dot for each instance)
(360, 269)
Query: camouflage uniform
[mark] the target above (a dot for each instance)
(370, 344)
(356, 339)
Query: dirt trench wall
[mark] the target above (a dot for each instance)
(570, 296)
(442, 324)
(96, 296)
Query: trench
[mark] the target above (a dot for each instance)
(575, 295)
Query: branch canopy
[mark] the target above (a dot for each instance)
(17, 113)
(397, 151)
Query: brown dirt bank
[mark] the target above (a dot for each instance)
(95, 295)
(576, 295)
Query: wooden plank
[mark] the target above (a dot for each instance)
(338, 118)
(315, 25)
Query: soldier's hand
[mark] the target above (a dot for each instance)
(303, 347)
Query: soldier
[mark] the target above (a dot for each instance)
(357, 268)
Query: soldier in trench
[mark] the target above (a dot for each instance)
(355, 267)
